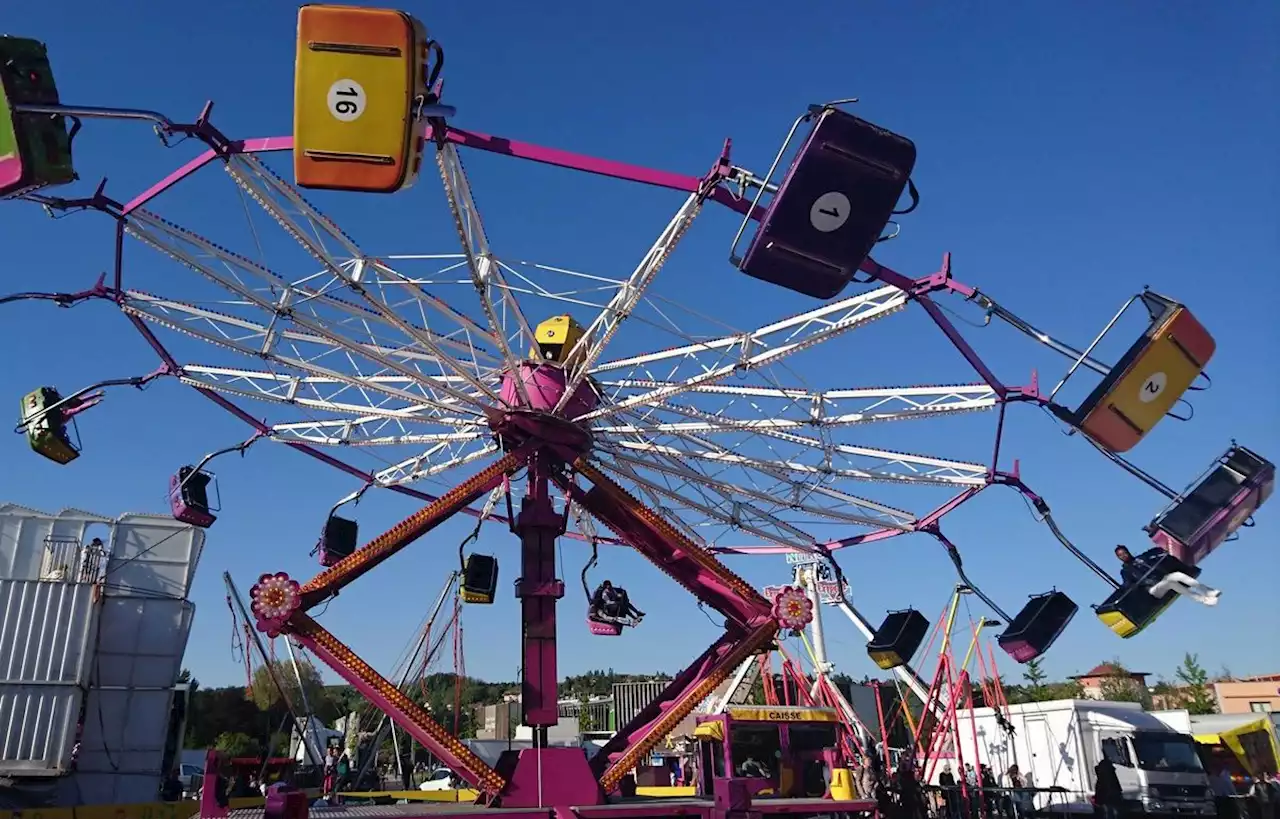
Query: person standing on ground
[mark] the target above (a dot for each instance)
(1224, 791)
(343, 771)
(330, 782)
(1108, 797)
(947, 784)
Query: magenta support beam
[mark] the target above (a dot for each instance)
(678, 689)
(458, 757)
(538, 589)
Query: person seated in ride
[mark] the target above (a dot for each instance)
(612, 603)
(625, 606)
(1139, 571)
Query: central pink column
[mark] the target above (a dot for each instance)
(538, 589)
(543, 776)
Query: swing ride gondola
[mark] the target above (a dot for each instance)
(594, 420)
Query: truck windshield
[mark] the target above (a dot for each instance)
(1171, 753)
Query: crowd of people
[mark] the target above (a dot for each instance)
(900, 793)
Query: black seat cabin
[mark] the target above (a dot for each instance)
(338, 539)
(1131, 608)
(1040, 622)
(479, 579)
(898, 638)
(831, 207)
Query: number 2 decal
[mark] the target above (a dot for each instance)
(1152, 387)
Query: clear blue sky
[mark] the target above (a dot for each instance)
(1069, 154)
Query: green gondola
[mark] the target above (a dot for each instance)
(46, 428)
(35, 149)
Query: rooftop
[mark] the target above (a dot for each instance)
(1109, 670)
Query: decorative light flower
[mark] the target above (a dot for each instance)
(792, 608)
(275, 597)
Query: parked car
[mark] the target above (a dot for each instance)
(192, 777)
(441, 779)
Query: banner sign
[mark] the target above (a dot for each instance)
(803, 558)
(828, 591)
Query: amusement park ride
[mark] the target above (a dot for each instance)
(568, 434)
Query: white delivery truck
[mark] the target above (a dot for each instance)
(1057, 744)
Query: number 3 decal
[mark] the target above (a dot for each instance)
(346, 100)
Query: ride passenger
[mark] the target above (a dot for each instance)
(612, 603)
(625, 606)
(1137, 571)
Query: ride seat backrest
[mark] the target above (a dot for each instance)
(480, 576)
(350, 142)
(832, 206)
(1212, 494)
(898, 638)
(43, 143)
(1136, 602)
(195, 487)
(340, 537)
(1158, 316)
(1151, 377)
(1040, 622)
(36, 403)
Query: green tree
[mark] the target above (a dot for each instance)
(1034, 674)
(1197, 696)
(1017, 694)
(266, 694)
(1168, 693)
(215, 711)
(1120, 686)
(586, 721)
(1068, 690)
(237, 745)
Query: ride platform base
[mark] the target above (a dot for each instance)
(638, 807)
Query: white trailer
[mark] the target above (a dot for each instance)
(1057, 744)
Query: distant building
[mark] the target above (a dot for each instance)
(1257, 695)
(1260, 695)
(1093, 681)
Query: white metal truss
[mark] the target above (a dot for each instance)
(588, 349)
(486, 274)
(764, 346)
(183, 246)
(825, 409)
(283, 202)
(399, 359)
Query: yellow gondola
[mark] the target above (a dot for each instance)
(358, 75)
